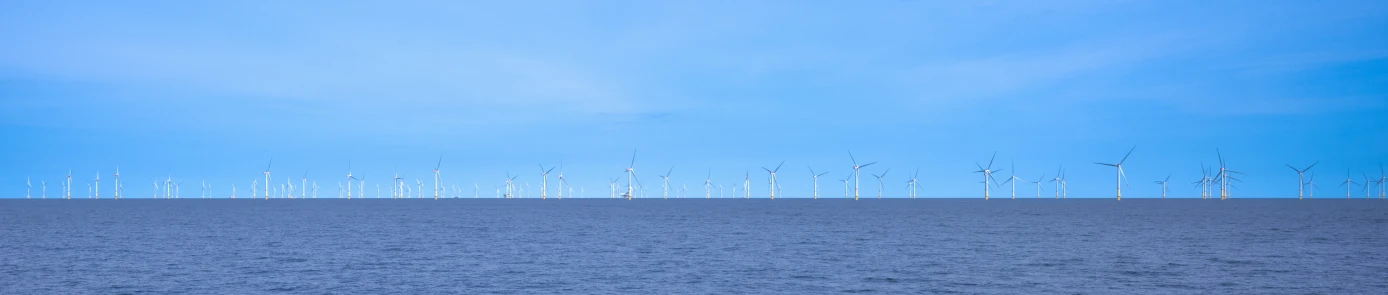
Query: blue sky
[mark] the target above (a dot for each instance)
(211, 90)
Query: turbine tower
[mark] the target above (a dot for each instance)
(879, 182)
(987, 173)
(631, 174)
(436, 177)
(303, 182)
(856, 175)
(1300, 180)
(562, 183)
(67, 184)
(27, 186)
(267, 178)
(118, 186)
(773, 178)
(1223, 177)
(97, 185)
(1118, 176)
(816, 181)
(1163, 185)
(1056, 180)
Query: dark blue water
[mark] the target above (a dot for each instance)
(693, 246)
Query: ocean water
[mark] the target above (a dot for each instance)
(654, 246)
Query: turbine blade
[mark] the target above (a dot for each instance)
(1125, 157)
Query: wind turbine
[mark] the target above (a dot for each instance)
(1223, 177)
(544, 181)
(1163, 185)
(1300, 180)
(67, 184)
(987, 173)
(1118, 176)
(303, 181)
(913, 184)
(1347, 183)
(97, 185)
(879, 182)
(419, 188)
(1311, 194)
(27, 186)
(708, 184)
(1056, 180)
(856, 175)
(631, 174)
(436, 177)
(562, 182)
(845, 184)
(202, 190)
(44, 186)
(89, 191)
(746, 185)
(664, 187)
(255, 183)
(1014, 183)
(315, 189)
(1038, 185)
(773, 178)
(816, 181)
(1382, 179)
(1367, 182)
(361, 187)
(233, 191)
(267, 178)
(118, 186)
(349, 180)
(612, 183)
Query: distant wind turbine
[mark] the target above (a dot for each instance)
(1119, 177)
(879, 181)
(987, 173)
(1163, 185)
(773, 178)
(1300, 180)
(816, 181)
(857, 179)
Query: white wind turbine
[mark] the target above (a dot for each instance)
(303, 181)
(773, 178)
(233, 191)
(1163, 185)
(856, 175)
(708, 184)
(913, 184)
(255, 183)
(436, 177)
(1013, 179)
(631, 174)
(665, 186)
(1300, 178)
(1119, 176)
(987, 174)
(89, 191)
(845, 184)
(27, 186)
(44, 186)
(361, 187)
(1311, 182)
(1057, 180)
(67, 184)
(612, 183)
(1223, 177)
(816, 180)
(544, 181)
(562, 182)
(118, 186)
(879, 182)
(267, 178)
(1038, 185)
(96, 186)
(746, 185)
(1347, 184)
(202, 190)
(419, 188)
(349, 180)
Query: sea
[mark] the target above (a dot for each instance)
(694, 246)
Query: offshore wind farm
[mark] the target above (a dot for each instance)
(900, 147)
